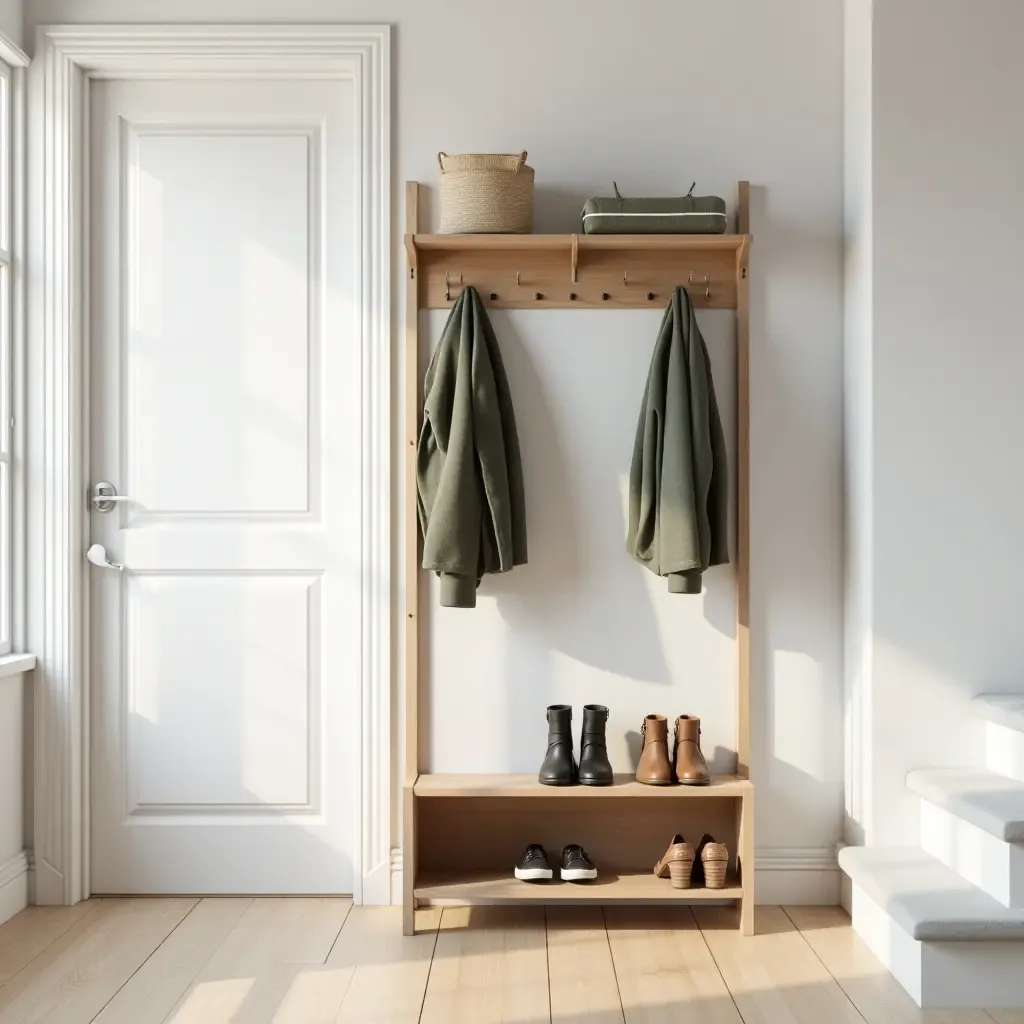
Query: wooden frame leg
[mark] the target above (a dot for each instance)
(746, 856)
(409, 862)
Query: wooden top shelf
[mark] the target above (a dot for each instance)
(585, 243)
(503, 887)
(506, 786)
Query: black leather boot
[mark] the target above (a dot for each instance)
(559, 767)
(595, 768)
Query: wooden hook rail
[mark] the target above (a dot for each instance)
(573, 271)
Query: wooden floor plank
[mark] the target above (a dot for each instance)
(872, 989)
(387, 971)
(77, 976)
(774, 975)
(154, 990)
(259, 968)
(580, 969)
(490, 967)
(33, 930)
(664, 970)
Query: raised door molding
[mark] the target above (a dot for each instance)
(67, 58)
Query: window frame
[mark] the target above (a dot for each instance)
(13, 64)
(7, 147)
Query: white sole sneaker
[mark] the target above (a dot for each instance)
(534, 874)
(578, 874)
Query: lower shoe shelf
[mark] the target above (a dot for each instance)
(502, 887)
(468, 832)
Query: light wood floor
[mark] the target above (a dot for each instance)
(314, 961)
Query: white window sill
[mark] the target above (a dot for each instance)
(15, 664)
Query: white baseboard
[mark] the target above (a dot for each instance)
(396, 877)
(802, 876)
(377, 886)
(13, 886)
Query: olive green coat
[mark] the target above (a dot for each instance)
(679, 481)
(469, 474)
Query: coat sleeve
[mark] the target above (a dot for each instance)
(503, 541)
(448, 499)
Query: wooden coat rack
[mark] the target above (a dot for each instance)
(494, 816)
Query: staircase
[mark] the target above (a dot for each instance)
(947, 918)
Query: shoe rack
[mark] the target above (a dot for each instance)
(462, 834)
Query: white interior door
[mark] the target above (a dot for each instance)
(225, 410)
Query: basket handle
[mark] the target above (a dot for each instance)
(441, 157)
(521, 162)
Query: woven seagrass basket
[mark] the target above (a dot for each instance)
(486, 193)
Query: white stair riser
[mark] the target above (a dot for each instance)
(899, 953)
(942, 974)
(994, 866)
(1004, 750)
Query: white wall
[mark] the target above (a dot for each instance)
(11, 14)
(653, 95)
(945, 407)
(857, 406)
(13, 867)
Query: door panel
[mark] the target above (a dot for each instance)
(244, 742)
(226, 657)
(221, 340)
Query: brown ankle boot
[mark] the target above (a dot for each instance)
(691, 768)
(654, 768)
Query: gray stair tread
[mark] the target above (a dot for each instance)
(926, 899)
(992, 802)
(1003, 708)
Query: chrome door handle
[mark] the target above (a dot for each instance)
(97, 554)
(104, 495)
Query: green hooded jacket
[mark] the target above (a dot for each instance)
(678, 480)
(469, 474)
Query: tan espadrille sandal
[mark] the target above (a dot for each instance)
(677, 863)
(713, 861)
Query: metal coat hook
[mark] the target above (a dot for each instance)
(518, 281)
(625, 283)
(707, 287)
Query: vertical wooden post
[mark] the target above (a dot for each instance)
(743, 489)
(412, 575)
(746, 858)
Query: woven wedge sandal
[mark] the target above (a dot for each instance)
(713, 863)
(677, 863)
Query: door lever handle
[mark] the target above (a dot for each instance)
(97, 554)
(104, 496)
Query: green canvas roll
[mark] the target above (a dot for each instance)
(686, 215)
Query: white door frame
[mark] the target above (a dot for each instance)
(67, 59)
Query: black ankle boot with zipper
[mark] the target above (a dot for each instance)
(595, 768)
(559, 767)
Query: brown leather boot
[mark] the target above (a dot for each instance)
(654, 768)
(691, 768)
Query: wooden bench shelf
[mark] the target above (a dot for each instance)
(527, 786)
(494, 887)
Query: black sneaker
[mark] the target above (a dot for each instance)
(533, 866)
(576, 865)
